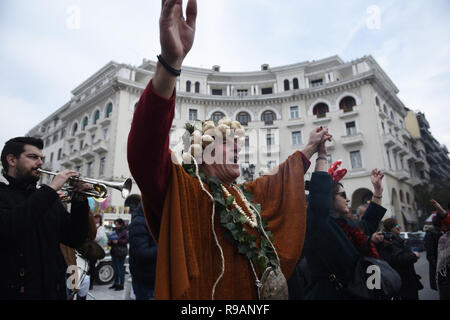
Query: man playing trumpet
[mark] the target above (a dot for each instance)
(216, 240)
(33, 223)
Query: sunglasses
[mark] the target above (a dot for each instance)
(342, 194)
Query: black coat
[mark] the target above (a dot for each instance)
(431, 245)
(325, 241)
(33, 223)
(143, 251)
(402, 259)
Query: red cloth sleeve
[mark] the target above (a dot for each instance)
(148, 146)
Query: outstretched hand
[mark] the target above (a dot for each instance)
(377, 179)
(316, 142)
(176, 32)
(437, 206)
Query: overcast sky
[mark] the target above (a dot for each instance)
(49, 47)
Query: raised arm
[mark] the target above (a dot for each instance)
(377, 179)
(176, 37)
(148, 141)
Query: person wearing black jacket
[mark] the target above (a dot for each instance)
(431, 245)
(33, 223)
(401, 258)
(142, 259)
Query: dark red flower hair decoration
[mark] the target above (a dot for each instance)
(335, 173)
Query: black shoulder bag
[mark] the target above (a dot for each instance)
(357, 287)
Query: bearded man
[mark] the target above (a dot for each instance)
(33, 224)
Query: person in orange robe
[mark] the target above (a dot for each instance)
(195, 260)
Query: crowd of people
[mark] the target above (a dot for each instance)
(197, 234)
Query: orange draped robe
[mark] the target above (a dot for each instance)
(189, 261)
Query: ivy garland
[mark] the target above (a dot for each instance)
(232, 220)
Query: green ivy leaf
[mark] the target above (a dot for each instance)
(230, 200)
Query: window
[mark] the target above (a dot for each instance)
(47, 142)
(109, 109)
(216, 92)
(355, 159)
(295, 83)
(247, 142)
(316, 83)
(216, 116)
(392, 116)
(63, 133)
(294, 112)
(51, 157)
(74, 129)
(286, 85)
(242, 93)
(266, 90)
(105, 134)
(244, 118)
(350, 128)
(197, 87)
(81, 144)
(55, 137)
(401, 196)
(192, 114)
(320, 110)
(407, 198)
(188, 86)
(347, 104)
(382, 126)
(385, 109)
(89, 169)
(270, 139)
(96, 116)
(377, 101)
(268, 117)
(59, 153)
(395, 161)
(102, 166)
(92, 138)
(85, 123)
(296, 138)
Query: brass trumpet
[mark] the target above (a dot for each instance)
(99, 191)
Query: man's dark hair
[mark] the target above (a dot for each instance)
(16, 146)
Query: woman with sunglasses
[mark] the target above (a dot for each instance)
(333, 242)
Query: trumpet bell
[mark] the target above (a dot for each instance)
(126, 189)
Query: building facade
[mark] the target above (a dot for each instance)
(437, 154)
(279, 106)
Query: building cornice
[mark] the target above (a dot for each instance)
(282, 97)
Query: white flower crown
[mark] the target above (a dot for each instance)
(202, 133)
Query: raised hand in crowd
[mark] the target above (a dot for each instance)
(177, 37)
(316, 142)
(438, 206)
(376, 178)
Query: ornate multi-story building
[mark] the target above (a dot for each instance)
(437, 154)
(279, 106)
